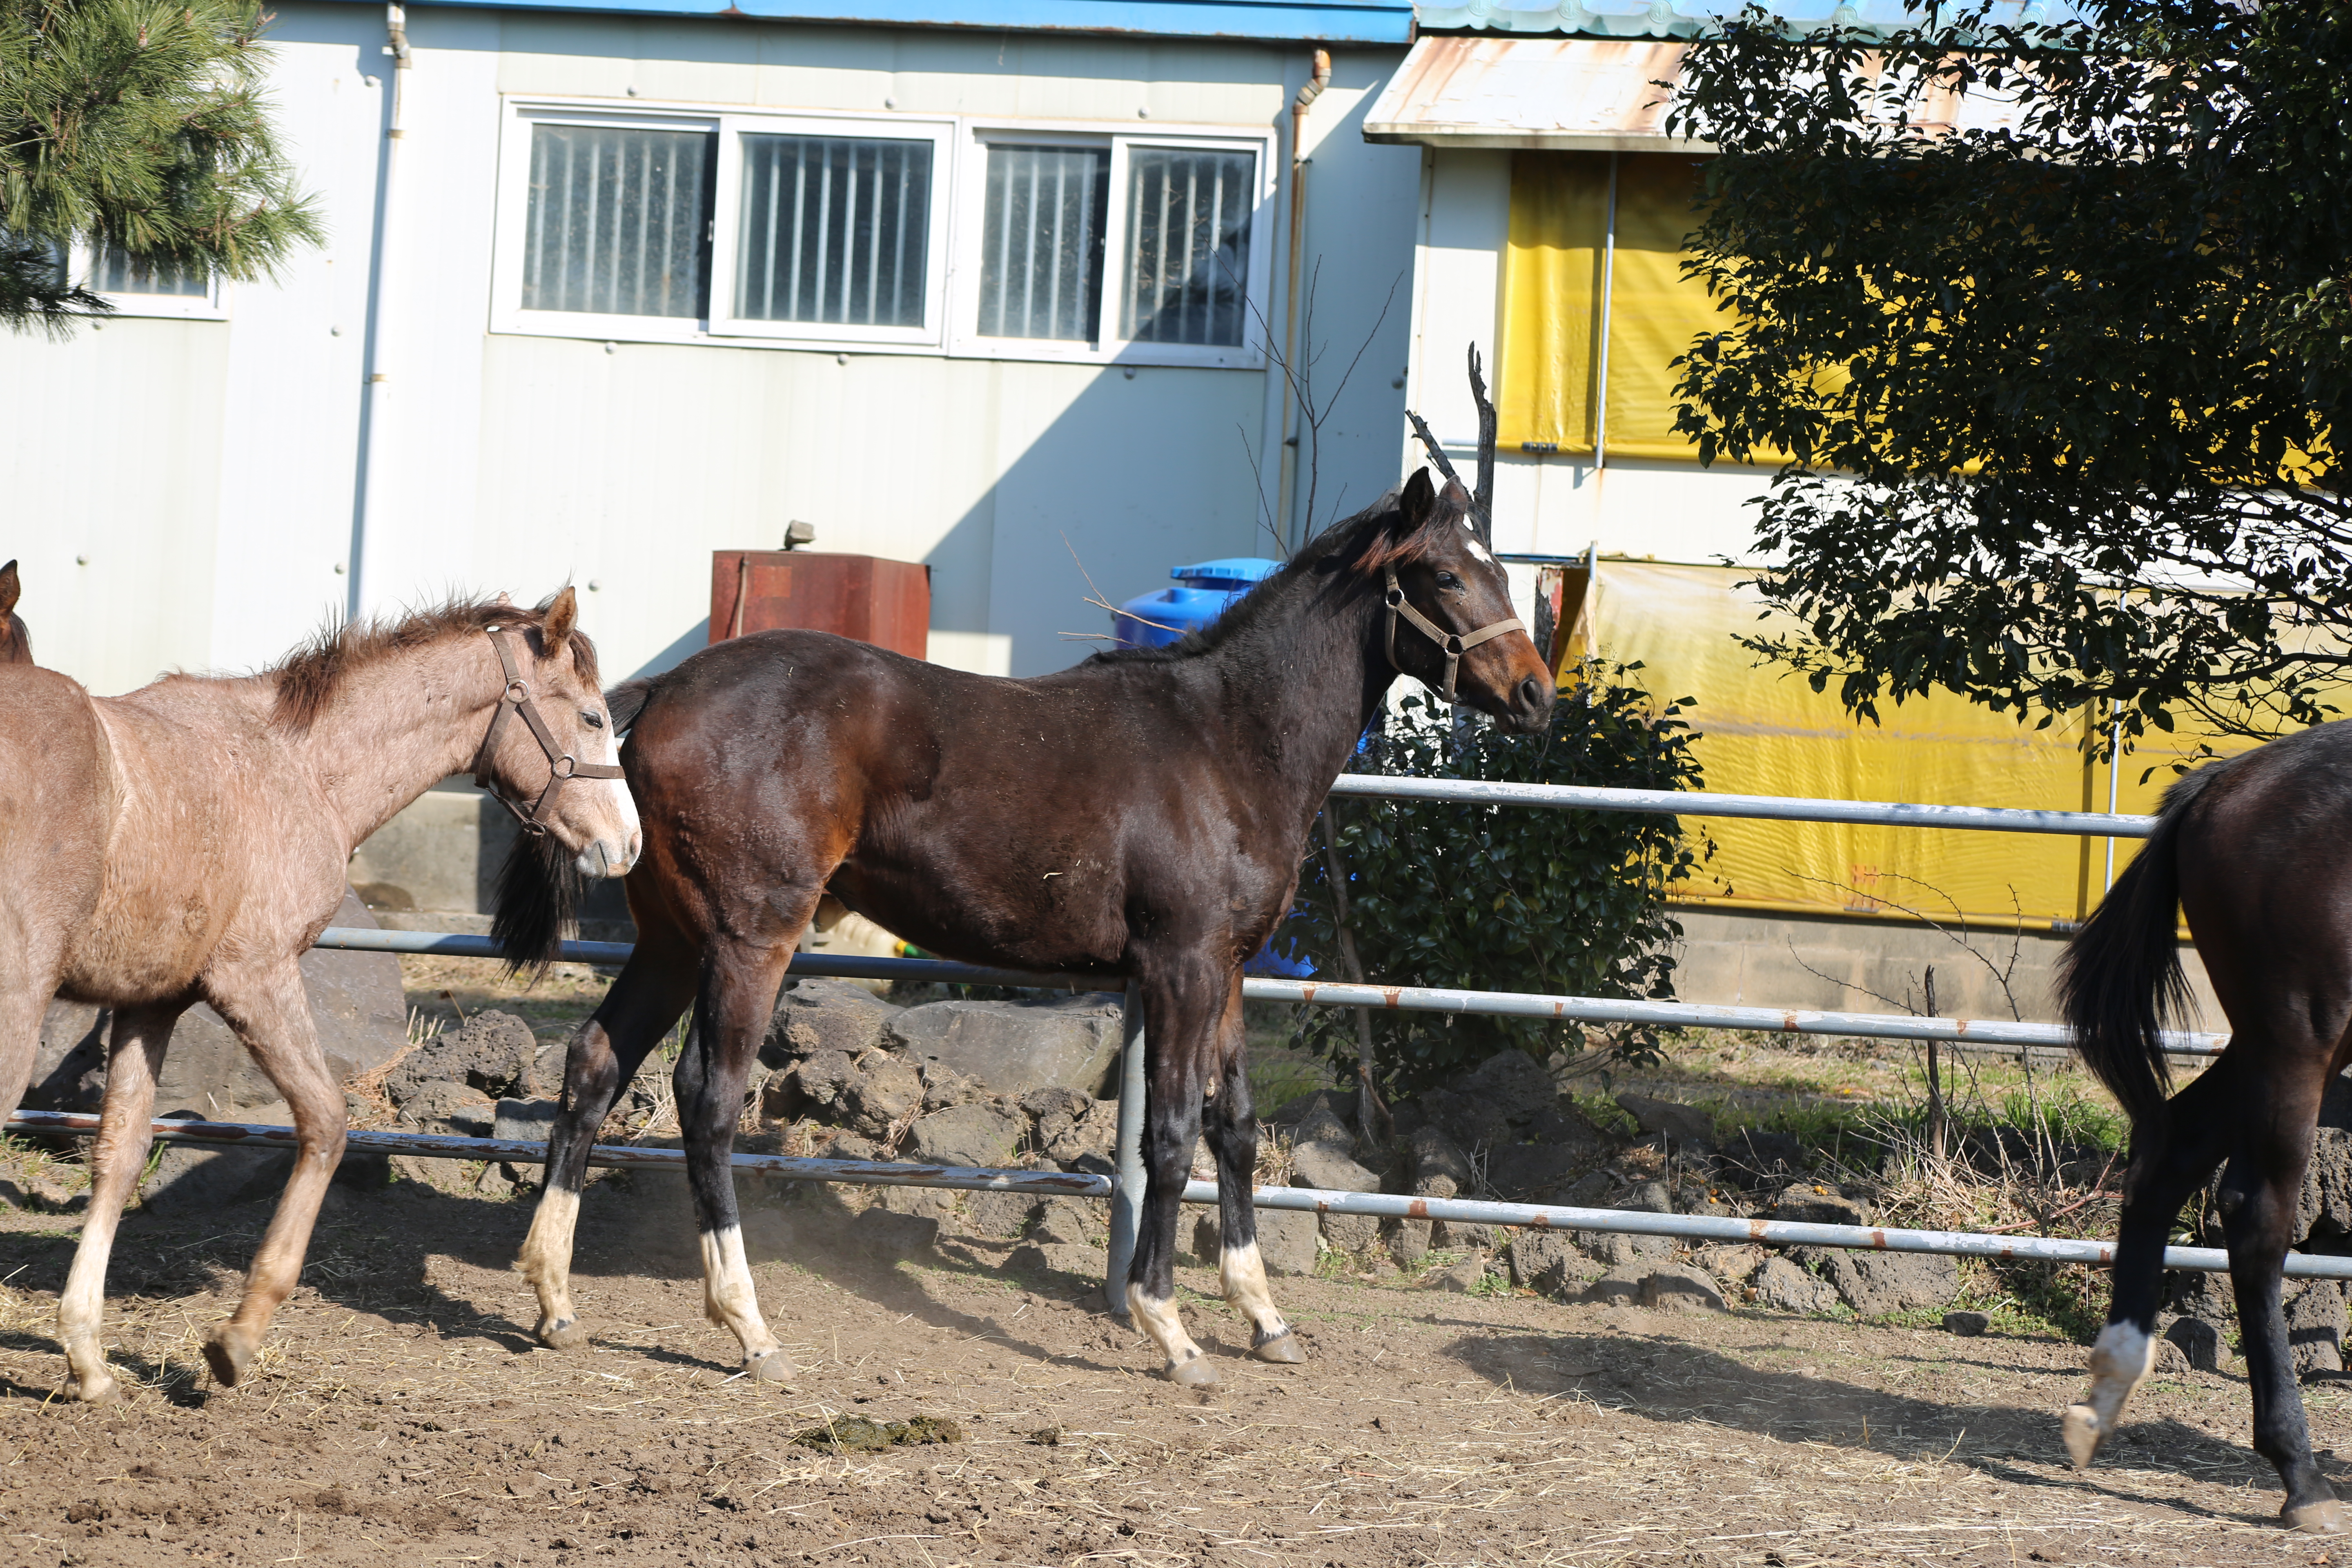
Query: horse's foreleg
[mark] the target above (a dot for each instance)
(2169, 1161)
(1179, 1020)
(2261, 1194)
(738, 995)
(271, 1014)
(605, 1053)
(1230, 1123)
(117, 1156)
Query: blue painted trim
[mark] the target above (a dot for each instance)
(1360, 22)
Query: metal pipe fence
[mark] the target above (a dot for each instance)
(1125, 1192)
(1308, 1200)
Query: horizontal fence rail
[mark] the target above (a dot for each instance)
(1769, 807)
(1310, 1200)
(1989, 1032)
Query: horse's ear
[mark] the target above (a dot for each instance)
(1419, 500)
(562, 619)
(11, 590)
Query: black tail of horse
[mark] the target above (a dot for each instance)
(2121, 979)
(540, 884)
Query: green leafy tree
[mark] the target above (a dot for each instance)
(136, 126)
(2056, 394)
(1504, 898)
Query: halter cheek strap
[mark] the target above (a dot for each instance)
(1453, 646)
(562, 764)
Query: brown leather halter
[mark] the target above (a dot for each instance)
(562, 764)
(1453, 646)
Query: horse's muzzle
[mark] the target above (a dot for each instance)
(609, 858)
(1530, 705)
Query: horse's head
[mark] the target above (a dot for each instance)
(16, 642)
(1450, 623)
(557, 769)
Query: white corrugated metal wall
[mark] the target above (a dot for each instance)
(205, 470)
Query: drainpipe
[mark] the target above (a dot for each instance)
(1318, 79)
(372, 456)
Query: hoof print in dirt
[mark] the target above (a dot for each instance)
(858, 1434)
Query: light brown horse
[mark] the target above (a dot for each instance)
(188, 841)
(16, 642)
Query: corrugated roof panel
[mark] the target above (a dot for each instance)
(1573, 94)
(1338, 21)
(1559, 93)
(1690, 18)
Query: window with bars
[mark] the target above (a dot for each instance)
(1041, 249)
(618, 221)
(833, 229)
(119, 272)
(1188, 214)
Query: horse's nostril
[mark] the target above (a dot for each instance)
(1531, 692)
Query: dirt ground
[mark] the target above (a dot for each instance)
(402, 1414)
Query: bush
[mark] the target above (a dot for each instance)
(1505, 897)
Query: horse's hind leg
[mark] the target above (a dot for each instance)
(271, 1016)
(1181, 1014)
(117, 1157)
(2170, 1161)
(652, 991)
(740, 980)
(2261, 1193)
(1230, 1123)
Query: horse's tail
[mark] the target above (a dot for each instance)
(540, 886)
(2121, 977)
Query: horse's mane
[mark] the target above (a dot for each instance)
(308, 678)
(1348, 541)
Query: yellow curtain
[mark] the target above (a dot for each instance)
(1551, 293)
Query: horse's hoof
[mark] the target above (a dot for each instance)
(775, 1367)
(1282, 1349)
(567, 1335)
(2083, 1434)
(1194, 1374)
(228, 1353)
(2324, 1517)
(101, 1388)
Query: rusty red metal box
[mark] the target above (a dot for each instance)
(886, 603)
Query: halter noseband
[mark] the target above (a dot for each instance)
(1454, 647)
(562, 764)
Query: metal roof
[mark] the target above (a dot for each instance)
(1317, 21)
(1692, 18)
(1559, 93)
(1575, 94)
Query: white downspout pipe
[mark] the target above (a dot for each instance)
(1294, 437)
(375, 448)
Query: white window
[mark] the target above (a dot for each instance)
(1139, 249)
(898, 233)
(135, 287)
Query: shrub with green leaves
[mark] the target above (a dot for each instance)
(1505, 897)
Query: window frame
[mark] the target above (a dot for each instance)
(513, 225)
(727, 220)
(966, 340)
(952, 261)
(211, 305)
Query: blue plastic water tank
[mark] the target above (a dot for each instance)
(1201, 594)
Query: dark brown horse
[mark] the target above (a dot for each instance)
(1142, 815)
(2257, 852)
(16, 642)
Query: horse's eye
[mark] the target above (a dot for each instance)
(589, 717)
(1448, 581)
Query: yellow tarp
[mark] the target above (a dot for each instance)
(1764, 731)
